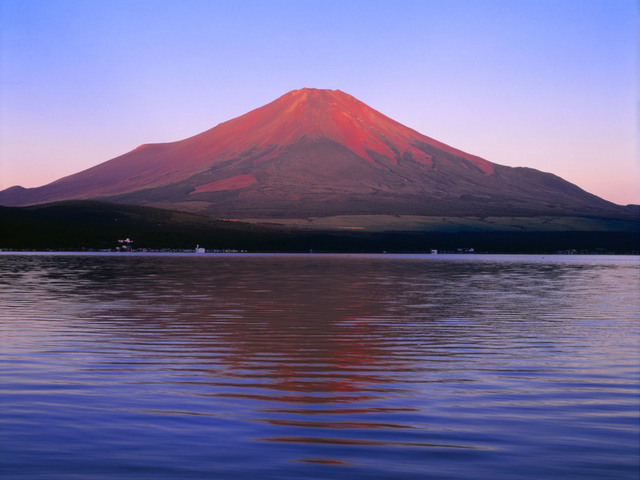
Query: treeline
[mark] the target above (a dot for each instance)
(87, 225)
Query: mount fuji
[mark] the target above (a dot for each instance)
(318, 153)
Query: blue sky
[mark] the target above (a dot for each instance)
(545, 84)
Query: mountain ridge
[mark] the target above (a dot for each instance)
(317, 152)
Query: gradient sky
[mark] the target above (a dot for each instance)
(550, 85)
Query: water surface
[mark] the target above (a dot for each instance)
(312, 367)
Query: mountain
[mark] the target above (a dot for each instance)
(314, 153)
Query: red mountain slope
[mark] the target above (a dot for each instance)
(315, 152)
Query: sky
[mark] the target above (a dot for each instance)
(551, 85)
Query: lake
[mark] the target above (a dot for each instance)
(237, 366)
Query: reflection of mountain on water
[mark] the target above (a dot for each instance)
(293, 336)
(303, 330)
(260, 333)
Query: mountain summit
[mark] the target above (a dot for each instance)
(316, 152)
